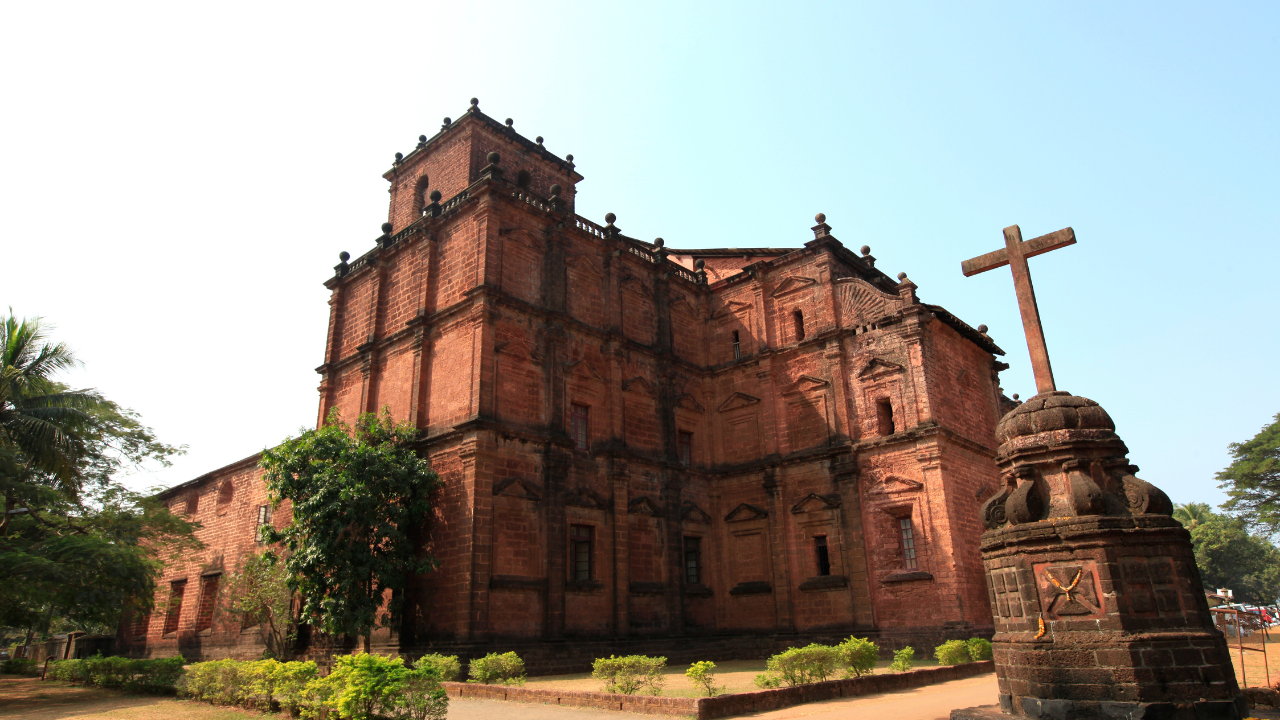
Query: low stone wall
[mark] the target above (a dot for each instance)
(724, 705)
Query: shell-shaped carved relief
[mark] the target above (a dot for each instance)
(861, 303)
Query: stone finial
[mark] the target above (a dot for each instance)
(1015, 396)
(433, 210)
(866, 250)
(538, 140)
(475, 105)
(698, 269)
(822, 229)
(447, 122)
(907, 289)
(902, 277)
(422, 141)
(610, 229)
(344, 256)
(699, 264)
(659, 242)
(982, 329)
(386, 228)
(569, 159)
(492, 169)
(511, 123)
(399, 158)
(342, 268)
(609, 218)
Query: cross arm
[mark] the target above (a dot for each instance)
(1030, 248)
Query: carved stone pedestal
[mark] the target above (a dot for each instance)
(1098, 607)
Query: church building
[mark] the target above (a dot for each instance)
(703, 452)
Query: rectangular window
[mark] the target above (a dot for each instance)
(908, 543)
(684, 447)
(174, 612)
(193, 502)
(693, 560)
(824, 560)
(580, 555)
(579, 422)
(884, 417)
(264, 520)
(737, 346)
(208, 600)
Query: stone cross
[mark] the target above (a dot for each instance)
(1015, 254)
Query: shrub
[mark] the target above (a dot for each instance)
(19, 666)
(157, 675)
(952, 652)
(68, 671)
(858, 656)
(767, 681)
(797, 666)
(903, 659)
(504, 668)
(702, 674)
(979, 649)
(420, 696)
(368, 683)
(291, 685)
(630, 674)
(319, 697)
(446, 666)
(259, 679)
(108, 672)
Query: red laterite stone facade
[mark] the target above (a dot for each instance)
(641, 447)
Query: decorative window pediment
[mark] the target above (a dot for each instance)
(813, 502)
(805, 383)
(878, 368)
(738, 400)
(793, 284)
(517, 488)
(583, 370)
(746, 512)
(638, 384)
(694, 514)
(642, 505)
(687, 402)
(894, 484)
(631, 282)
(585, 497)
(732, 307)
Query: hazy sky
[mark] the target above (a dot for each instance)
(177, 179)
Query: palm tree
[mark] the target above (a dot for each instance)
(39, 417)
(1193, 514)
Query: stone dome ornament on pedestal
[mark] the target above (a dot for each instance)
(1097, 601)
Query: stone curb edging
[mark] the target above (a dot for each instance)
(707, 708)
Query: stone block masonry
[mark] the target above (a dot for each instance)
(638, 442)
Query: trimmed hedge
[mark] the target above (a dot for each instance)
(630, 674)
(497, 669)
(19, 666)
(359, 688)
(818, 663)
(159, 675)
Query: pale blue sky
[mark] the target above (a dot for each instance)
(176, 181)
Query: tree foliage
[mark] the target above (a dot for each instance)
(1230, 557)
(1193, 514)
(1252, 480)
(359, 498)
(259, 591)
(77, 548)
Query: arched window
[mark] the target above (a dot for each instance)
(799, 320)
(225, 494)
(420, 200)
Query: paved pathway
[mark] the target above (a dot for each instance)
(932, 702)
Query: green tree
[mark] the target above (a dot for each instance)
(76, 547)
(1192, 514)
(360, 497)
(259, 590)
(1229, 556)
(1252, 480)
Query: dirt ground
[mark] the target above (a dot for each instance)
(1256, 665)
(737, 676)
